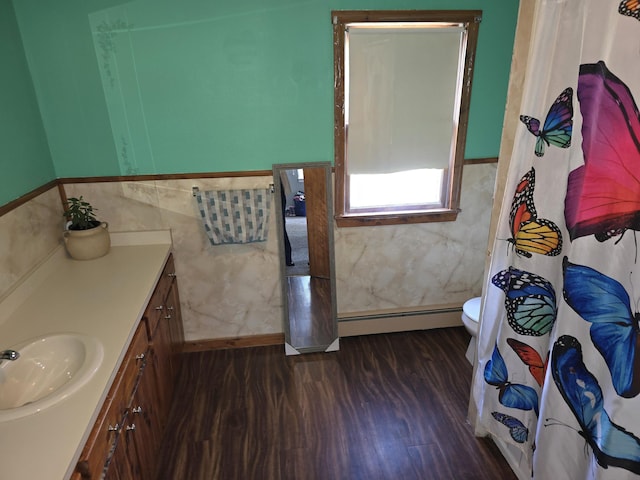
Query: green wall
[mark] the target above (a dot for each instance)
(157, 86)
(25, 162)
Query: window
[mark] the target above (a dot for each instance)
(402, 91)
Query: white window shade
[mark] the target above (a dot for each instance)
(402, 105)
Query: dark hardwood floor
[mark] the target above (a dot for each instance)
(389, 406)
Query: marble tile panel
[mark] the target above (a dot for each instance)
(126, 206)
(417, 265)
(28, 234)
(225, 290)
(234, 290)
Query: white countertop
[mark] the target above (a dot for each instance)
(104, 298)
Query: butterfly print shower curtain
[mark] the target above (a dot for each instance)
(557, 379)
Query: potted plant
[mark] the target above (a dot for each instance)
(86, 237)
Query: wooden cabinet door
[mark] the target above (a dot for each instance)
(144, 422)
(126, 436)
(160, 368)
(176, 330)
(104, 446)
(167, 341)
(121, 465)
(103, 437)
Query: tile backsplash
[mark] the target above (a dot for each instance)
(28, 234)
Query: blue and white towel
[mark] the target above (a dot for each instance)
(235, 216)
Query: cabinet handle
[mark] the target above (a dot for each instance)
(159, 308)
(167, 317)
(130, 428)
(137, 409)
(114, 428)
(170, 308)
(172, 275)
(140, 356)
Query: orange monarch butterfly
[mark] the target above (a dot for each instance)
(531, 358)
(630, 8)
(530, 234)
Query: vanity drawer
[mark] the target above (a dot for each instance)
(156, 309)
(166, 280)
(154, 312)
(133, 362)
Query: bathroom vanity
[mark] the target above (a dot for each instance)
(128, 301)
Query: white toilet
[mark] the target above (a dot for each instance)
(470, 316)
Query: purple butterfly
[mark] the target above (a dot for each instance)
(518, 431)
(558, 124)
(603, 195)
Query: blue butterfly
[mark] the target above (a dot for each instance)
(557, 126)
(518, 431)
(530, 301)
(612, 445)
(604, 302)
(512, 395)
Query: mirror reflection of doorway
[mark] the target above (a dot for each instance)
(306, 225)
(295, 219)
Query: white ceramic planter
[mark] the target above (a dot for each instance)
(88, 244)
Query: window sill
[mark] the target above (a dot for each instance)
(396, 219)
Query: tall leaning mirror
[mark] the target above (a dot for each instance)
(305, 237)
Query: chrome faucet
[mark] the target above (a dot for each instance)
(9, 355)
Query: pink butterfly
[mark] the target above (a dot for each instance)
(603, 195)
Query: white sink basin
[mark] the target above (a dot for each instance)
(49, 369)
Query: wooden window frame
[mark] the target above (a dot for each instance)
(340, 19)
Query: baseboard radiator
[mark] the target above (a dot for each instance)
(388, 321)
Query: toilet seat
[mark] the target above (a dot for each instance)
(471, 315)
(470, 318)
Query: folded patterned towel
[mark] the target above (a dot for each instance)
(235, 216)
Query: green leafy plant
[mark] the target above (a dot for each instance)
(80, 214)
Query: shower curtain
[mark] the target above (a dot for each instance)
(559, 344)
